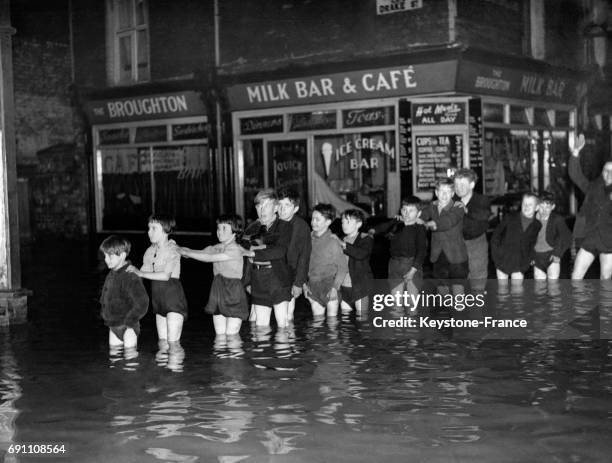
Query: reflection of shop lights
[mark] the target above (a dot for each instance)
(450, 172)
(519, 133)
(558, 134)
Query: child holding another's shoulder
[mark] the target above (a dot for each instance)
(227, 302)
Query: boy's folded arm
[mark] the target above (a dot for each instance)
(361, 251)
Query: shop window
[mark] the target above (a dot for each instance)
(519, 115)
(134, 182)
(562, 119)
(128, 40)
(350, 170)
(317, 120)
(542, 118)
(253, 158)
(507, 161)
(493, 112)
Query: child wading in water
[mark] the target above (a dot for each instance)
(124, 299)
(162, 265)
(227, 302)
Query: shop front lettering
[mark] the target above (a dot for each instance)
(534, 85)
(148, 106)
(267, 92)
(379, 81)
(285, 166)
(371, 163)
(360, 117)
(365, 143)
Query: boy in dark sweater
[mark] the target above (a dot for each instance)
(554, 239)
(298, 252)
(124, 299)
(513, 240)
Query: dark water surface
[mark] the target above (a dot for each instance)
(321, 391)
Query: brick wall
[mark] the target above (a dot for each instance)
(275, 33)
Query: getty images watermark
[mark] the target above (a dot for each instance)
(528, 309)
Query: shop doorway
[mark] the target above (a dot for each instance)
(288, 168)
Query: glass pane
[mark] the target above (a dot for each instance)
(287, 169)
(518, 115)
(125, 59)
(350, 170)
(143, 56)
(492, 112)
(125, 17)
(183, 185)
(541, 117)
(507, 161)
(140, 12)
(252, 152)
(126, 189)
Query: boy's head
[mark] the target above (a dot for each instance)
(266, 205)
(529, 204)
(445, 189)
(546, 204)
(116, 249)
(352, 220)
(410, 209)
(288, 203)
(229, 227)
(465, 181)
(167, 222)
(322, 217)
(606, 173)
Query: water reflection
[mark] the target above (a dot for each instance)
(10, 392)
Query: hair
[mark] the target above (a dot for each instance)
(411, 201)
(267, 193)
(234, 221)
(445, 181)
(547, 197)
(530, 194)
(468, 174)
(166, 221)
(355, 214)
(115, 244)
(326, 210)
(290, 194)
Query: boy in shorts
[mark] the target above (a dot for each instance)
(554, 239)
(124, 299)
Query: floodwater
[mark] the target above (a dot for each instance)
(321, 391)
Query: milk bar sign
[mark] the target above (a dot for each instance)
(397, 6)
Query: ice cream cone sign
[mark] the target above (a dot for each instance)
(576, 144)
(327, 150)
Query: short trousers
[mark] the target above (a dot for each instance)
(478, 257)
(227, 298)
(168, 296)
(443, 269)
(543, 260)
(266, 287)
(319, 289)
(120, 330)
(399, 266)
(592, 243)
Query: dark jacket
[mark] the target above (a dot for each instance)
(298, 253)
(448, 236)
(359, 264)
(597, 205)
(277, 239)
(405, 240)
(558, 235)
(124, 299)
(512, 249)
(476, 219)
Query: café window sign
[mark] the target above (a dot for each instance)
(369, 117)
(438, 113)
(114, 136)
(259, 125)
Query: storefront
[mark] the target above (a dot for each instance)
(151, 155)
(367, 138)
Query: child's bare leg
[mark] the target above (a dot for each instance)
(290, 308)
(332, 308)
(233, 325)
(113, 340)
(130, 340)
(605, 262)
(517, 276)
(219, 321)
(361, 305)
(583, 261)
(162, 333)
(553, 271)
(317, 309)
(262, 314)
(539, 274)
(501, 275)
(280, 313)
(253, 314)
(175, 328)
(345, 306)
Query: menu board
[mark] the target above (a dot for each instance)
(476, 146)
(439, 113)
(405, 148)
(436, 156)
